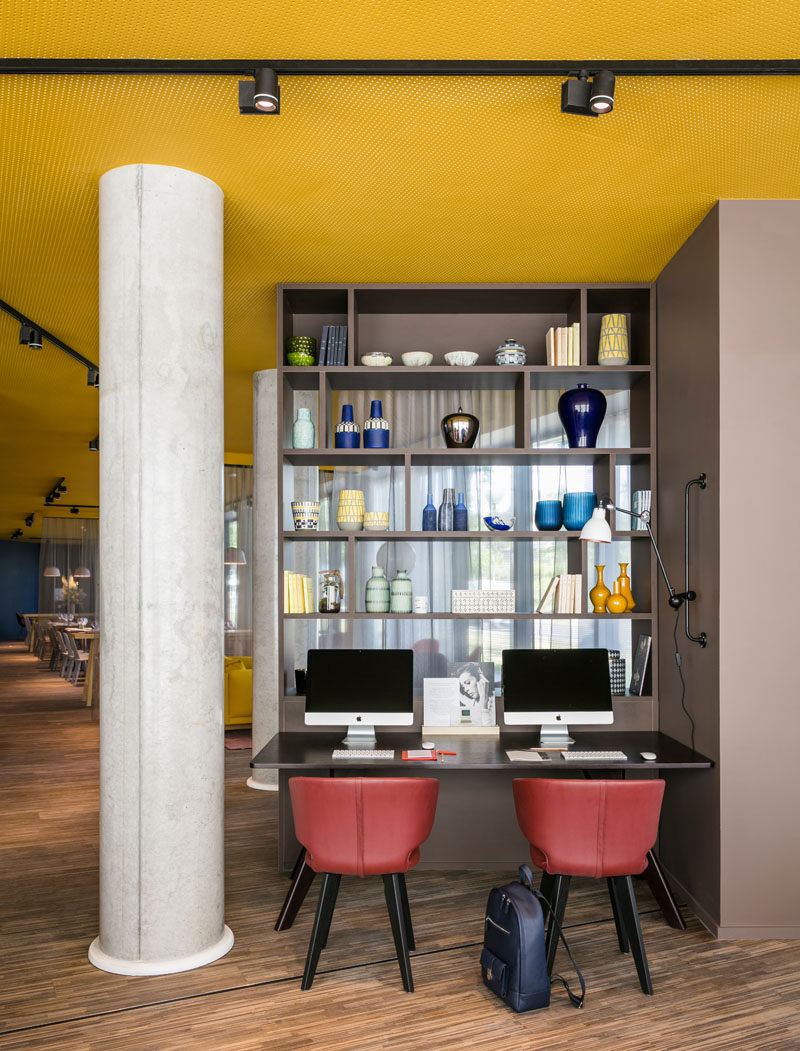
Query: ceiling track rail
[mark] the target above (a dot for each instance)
(779, 67)
(23, 320)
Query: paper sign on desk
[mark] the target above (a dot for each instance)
(419, 753)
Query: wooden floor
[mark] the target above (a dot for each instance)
(708, 995)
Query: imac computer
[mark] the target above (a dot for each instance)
(552, 688)
(361, 689)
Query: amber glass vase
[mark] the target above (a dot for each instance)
(599, 592)
(624, 582)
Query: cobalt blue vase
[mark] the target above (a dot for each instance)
(429, 516)
(582, 411)
(460, 515)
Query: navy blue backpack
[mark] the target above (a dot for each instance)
(513, 961)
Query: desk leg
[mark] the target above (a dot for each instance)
(301, 880)
(661, 891)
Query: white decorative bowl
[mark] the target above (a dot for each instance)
(461, 357)
(415, 359)
(376, 360)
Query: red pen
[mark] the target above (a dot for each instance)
(439, 752)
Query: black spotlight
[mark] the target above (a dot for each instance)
(94, 445)
(29, 521)
(601, 97)
(74, 510)
(93, 377)
(49, 498)
(575, 96)
(262, 95)
(30, 336)
(60, 488)
(16, 534)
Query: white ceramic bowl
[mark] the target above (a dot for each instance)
(461, 357)
(376, 360)
(415, 359)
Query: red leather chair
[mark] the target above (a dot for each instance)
(363, 826)
(592, 828)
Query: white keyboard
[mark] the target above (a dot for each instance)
(363, 753)
(594, 755)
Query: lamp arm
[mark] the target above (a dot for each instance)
(675, 599)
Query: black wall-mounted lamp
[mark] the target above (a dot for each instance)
(261, 95)
(598, 531)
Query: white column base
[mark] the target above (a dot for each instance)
(260, 785)
(103, 962)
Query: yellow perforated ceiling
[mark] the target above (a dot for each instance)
(361, 179)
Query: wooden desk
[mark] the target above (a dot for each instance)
(480, 763)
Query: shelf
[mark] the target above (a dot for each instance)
(468, 616)
(474, 536)
(452, 457)
(448, 377)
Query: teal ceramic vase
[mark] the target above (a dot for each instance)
(402, 600)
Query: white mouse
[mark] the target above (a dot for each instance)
(648, 756)
(431, 744)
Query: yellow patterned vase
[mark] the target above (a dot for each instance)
(614, 348)
(599, 592)
(350, 511)
(624, 582)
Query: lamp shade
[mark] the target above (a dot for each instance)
(597, 530)
(82, 571)
(234, 556)
(51, 571)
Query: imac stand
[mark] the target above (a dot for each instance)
(360, 736)
(555, 734)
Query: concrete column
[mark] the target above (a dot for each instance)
(267, 663)
(161, 542)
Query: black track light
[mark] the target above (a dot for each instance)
(49, 498)
(590, 98)
(93, 377)
(16, 534)
(262, 95)
(94, 445)
(29, 520)
(601, 98)
(74, 510)
(30, 336)
(61, 488)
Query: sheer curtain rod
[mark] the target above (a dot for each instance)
(405, 68)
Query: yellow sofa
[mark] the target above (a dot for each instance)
(238, 691)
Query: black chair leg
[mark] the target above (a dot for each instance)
(412, 945)
(621, 937)
(394, 904)
(301, 880)
(558, 900)
(322, 924)
(629, 915)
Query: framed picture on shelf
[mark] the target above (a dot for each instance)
(475, 691)
(641, 655)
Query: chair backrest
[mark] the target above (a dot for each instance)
(363, 825)
(589, 828)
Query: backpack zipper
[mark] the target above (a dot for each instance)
(497, 925)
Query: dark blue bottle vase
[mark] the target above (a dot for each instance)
(460, 515)
(376, 429)
(429, 516)
(348, 435)
(582, 412)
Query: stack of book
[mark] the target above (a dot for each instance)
(641, 502)
(333, 348)
(298, 594)
(562, 595)
(563, 345)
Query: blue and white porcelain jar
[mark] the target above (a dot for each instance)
(376, 428)
(348, 434)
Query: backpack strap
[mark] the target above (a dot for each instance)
(526, 879)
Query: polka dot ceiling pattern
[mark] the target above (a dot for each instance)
(361, 178)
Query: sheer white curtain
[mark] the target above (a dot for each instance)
(69, 545)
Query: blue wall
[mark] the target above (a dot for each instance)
(19, 584)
